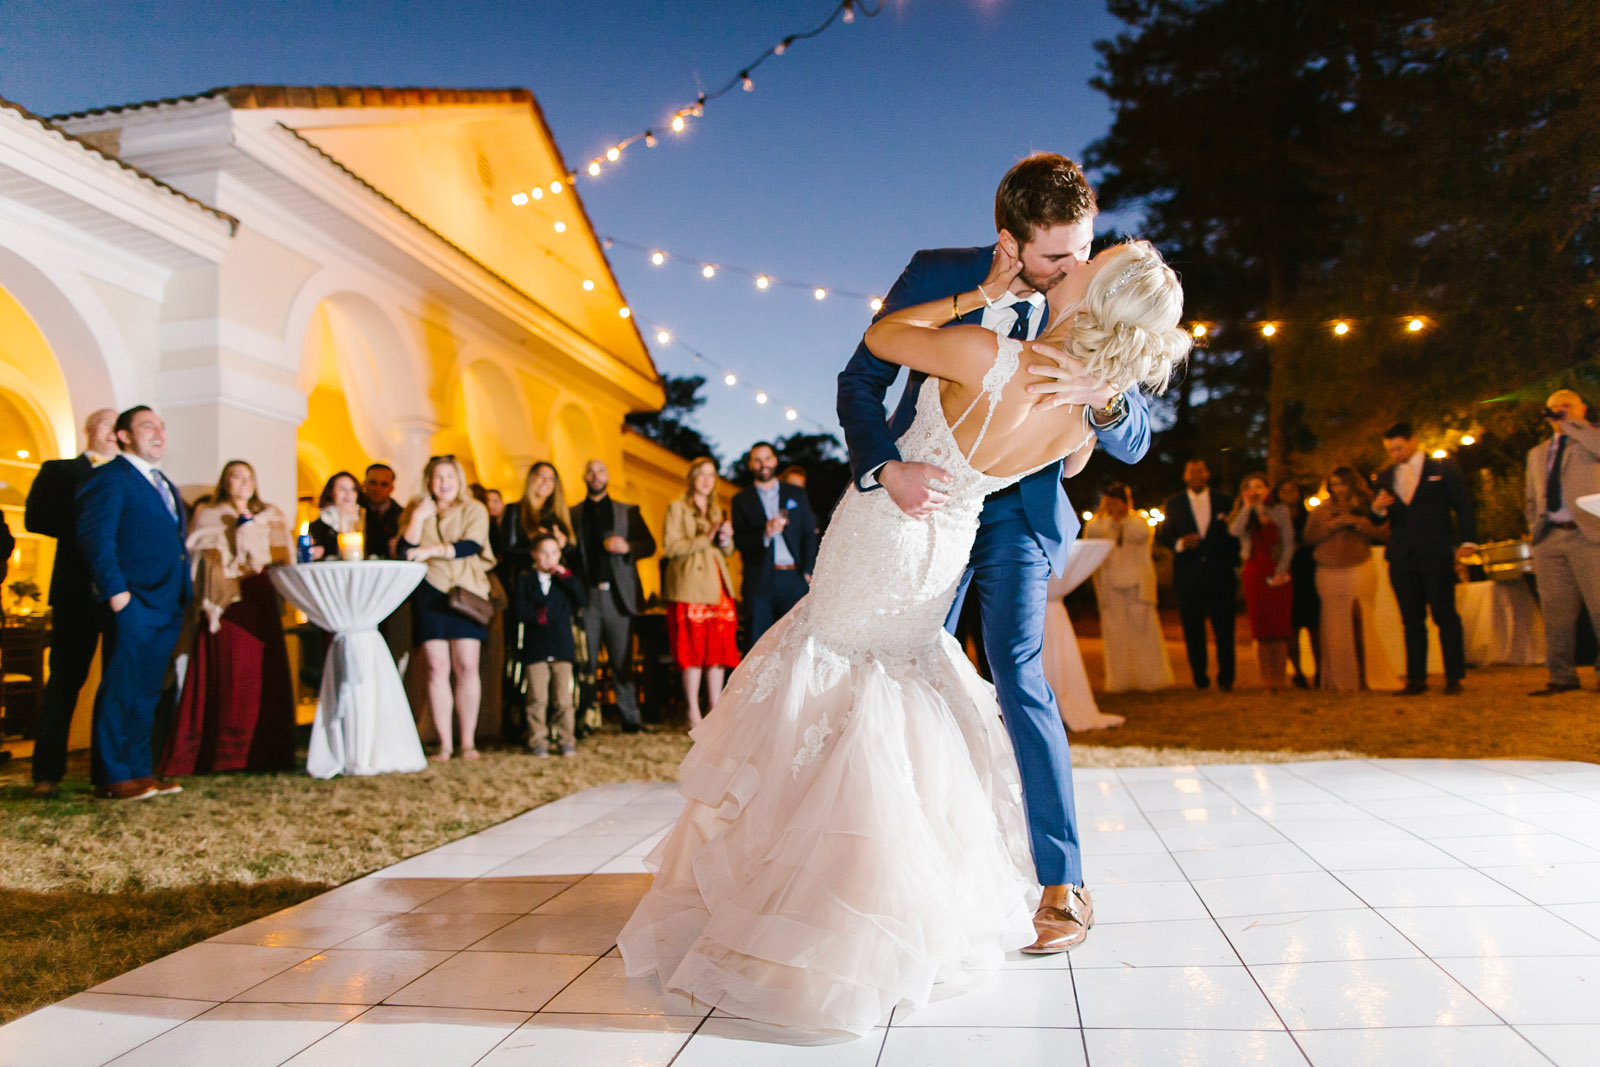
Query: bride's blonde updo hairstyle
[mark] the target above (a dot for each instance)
(1126, 332)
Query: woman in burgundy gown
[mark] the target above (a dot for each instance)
(237, 708)
(1266, 537)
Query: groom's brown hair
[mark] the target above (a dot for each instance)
(1043, 190)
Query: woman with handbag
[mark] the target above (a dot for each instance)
(450, 609)
(701, 617)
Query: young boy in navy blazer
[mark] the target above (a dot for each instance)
(547, 600)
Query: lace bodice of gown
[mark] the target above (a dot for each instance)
(884, 581)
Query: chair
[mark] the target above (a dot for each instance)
(22, 644)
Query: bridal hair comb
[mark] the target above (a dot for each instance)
(1122, 279)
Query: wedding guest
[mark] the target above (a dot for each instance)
(383, 509)
(1341, 535)
(132, 529)
(701, 617)
(1418, 497)
(75, 621)
(546, 600)
(776, 535)
(339, 511)
(1266, 540)
(236, 711)
(1205, 558)
(450, 531)
(1566, 538)
(495, 502)
(1306, 613)
(542, 510)
(1125, 586)
(611, 539)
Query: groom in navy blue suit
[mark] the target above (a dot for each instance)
(132, 530)
(1044, 212)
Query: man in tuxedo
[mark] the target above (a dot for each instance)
(1417, 496)
(776, 536)
(1566, 538)
(75, 619)
(611, 540)
(1205, 565)
(1044, 218)
(131, 529)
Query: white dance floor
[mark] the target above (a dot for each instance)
(1408, 912)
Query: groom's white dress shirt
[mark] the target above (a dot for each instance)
(1002, 314)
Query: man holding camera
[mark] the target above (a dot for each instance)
(1565, 538)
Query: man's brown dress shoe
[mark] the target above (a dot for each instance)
(133, 789)
(163, 786)
(1060, 929)
(46, 790)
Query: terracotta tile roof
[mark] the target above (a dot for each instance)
(254, 96)
(50, 127)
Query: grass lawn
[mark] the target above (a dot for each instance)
(92, 889)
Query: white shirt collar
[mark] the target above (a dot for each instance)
(140, 464)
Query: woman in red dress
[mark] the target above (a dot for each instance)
(236, 712)
(1266, 536)
(701, 616)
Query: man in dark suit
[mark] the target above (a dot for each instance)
(383, 510)
(611, 540)
(131, 530)
(776, 535)
(1205, 561)
(75, 619)
(1417, 496)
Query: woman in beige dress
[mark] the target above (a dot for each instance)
(1125, 586)
(1342, 534)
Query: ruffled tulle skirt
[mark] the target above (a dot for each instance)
(853, 839)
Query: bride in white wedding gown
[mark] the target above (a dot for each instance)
(853, 837)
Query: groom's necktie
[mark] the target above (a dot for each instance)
(1019, 329)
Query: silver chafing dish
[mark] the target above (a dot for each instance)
(1505, 561)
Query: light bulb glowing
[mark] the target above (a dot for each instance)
(537, 193)
(625, 312)
(730, 379)
(791, 414)
(1415, 325)
(849, 13)
(1341, 328)
(1152, 521)
(749, 86)
(594, 168)
(613, 154)
(519, 198)
(761, 398)
(649, 139)
(1268, 330)
(762, 281)
(23, 453)
(658, 258)
(780, 48)
(1199, 330)
(677, 124)
(820, 293)
(1313, 501)
(1439, 453)
(876, 305)
(1088, 515)
(708, 271)
(555, 187)
(561, 227)
(588, 285)
(663, 337)
(1468, 439)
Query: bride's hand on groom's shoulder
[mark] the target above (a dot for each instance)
(914, 487)
(1066, 381)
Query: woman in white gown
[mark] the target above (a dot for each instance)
(854, 834)
(1125, 586)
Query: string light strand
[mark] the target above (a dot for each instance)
(763, 280)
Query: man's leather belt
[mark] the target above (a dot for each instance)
(783, 566)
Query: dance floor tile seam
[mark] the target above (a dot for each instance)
(1271, 914)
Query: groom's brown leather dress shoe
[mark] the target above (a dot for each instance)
(1060, 929)
(133, 789)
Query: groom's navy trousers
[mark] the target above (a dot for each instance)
(1025, 534)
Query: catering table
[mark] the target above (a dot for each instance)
(363, 723)
(1063, 663)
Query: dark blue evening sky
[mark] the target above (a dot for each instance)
(854, 149)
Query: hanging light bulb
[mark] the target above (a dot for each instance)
(791, 414)
(555, 187)
(663, 337)
(1415, 326)
(708, 271)
(658, 258)
(519, 198)
(1268, 330)
(819, 293)
(613, 154)
(730, 379)
(761, 398)
(1468, 439)
(625, 312)
(1341, 328)
(677, 124)
(536, 192)
(1439, 453)
(1087, 515)
(762, 281)
(849, 11)
(744, 77)
(561, 227)
(594, 168)
(876, 305)
(1199, 330)
(588, 285)
(649, 139)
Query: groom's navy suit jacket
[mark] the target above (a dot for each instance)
(865, 381)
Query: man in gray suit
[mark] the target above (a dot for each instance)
(1566, 539)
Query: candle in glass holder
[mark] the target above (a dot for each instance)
(350, 546)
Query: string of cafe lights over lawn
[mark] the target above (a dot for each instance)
(845, 11)
(731, 379)
(762, 279)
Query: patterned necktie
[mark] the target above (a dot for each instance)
(166, 493)
(1552, 480)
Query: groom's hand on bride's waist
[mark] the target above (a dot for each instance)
(1066, 382)
(915, 488)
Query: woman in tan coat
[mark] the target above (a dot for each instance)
(701, 616)
(449, 530)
